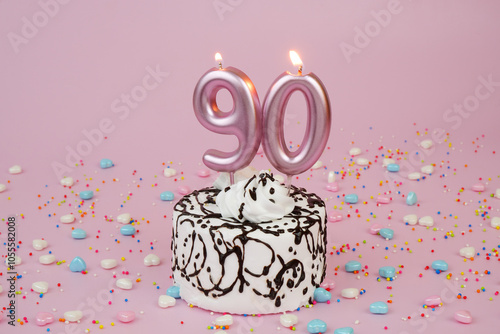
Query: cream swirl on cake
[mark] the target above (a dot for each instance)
(258, 199)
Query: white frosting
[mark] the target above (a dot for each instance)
(258, 199)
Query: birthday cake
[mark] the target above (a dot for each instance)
(251, 248)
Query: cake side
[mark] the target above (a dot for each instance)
(225, 265)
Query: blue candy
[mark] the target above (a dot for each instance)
(87, 194)
(78, 234)
(344, 330)
(174, 292)
(321, 295)
(411, 199)
(440, 265)
(316, 326)
(379, 308)
(77, 265)
(393, 167)
(387, 233)
(106, 163)
(167, 196)
(387, 271)
(351, 198)
(127, 230)
(352, 266)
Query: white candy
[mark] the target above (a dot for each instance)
(497, 193)
(165, 301)
(67, 219)
(1, 289)
(349, 293)
(108, 263)
(169, 172)
(495, 222)
(467, 252)
(17, 261)
(288, 320)
(426, 144)
(225, 320)
(354, 151)
(318, 164)
(362, 162)
(2, 187)
(40, 287)
(222, 180)
(151, 260)
(39, 244)
(387, 161)
(73, 316)
(410, 219)
(124, 218)
(414, 176)
(124, 283)
(67, 181)
(47, 259)
(426, 221)
(331, 177)
(16, 169)
(428, 169)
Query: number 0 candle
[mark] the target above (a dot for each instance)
(244, 120)
(318, 121)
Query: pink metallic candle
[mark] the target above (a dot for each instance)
(244, 120)
(318, 121)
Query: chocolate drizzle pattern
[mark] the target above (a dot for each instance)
(217, 255)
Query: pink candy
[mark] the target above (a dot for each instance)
(334, 217)
(327, 284)
(203, 173)
(433, 301)
(383, 199)
(126, 316)
(478, 187)
(463, 316)
(44, 318)
(183, 190)
(332, 187)
(375, 229)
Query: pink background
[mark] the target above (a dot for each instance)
(68, 75)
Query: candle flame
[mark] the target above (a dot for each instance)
(294, 57)
(218, 59)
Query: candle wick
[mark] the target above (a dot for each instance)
(220, 65)
(300, 70)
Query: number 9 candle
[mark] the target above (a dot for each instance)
(318, 121)
(244, 120)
